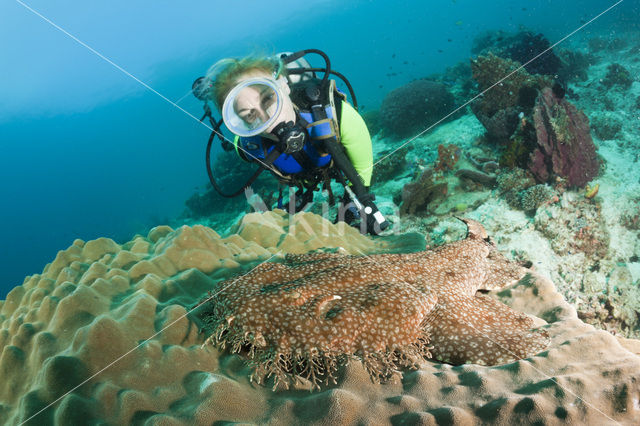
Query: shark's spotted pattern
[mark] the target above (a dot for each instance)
(302, 317)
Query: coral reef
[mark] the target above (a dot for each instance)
(394, 162)
(476, 176)
(93, 305)
(591, 191)
(485, 175)
(606, 125)
(565, 147)
(521, 47)
(448, 156)
(418, 196)
(484, 164)
(525, 46)
(618, 304)
(597, 44)
(203, 204)
(113, 323)
(499, 108)
(458, 80)
(296, 320)
(414, 107)
(536, 125)
(230, 172)
(631, 221)
(515, 179)
(576, 227)
(617, 75)
(512, 183)
(522, 142)
(115, 316)
(593, 275)
(575, 65)
(372, 120)
(536, 196)
(519, 189)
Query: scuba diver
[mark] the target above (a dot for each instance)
(298, 126)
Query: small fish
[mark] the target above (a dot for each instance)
(458, 23)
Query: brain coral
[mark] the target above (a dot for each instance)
(414, 107)
(101, 337)
(99, 300)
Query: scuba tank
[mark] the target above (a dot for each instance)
(294, 76)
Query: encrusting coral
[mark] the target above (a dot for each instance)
(302, 318)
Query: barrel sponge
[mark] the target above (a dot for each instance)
(414, 107)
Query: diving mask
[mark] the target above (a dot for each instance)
(253, 106)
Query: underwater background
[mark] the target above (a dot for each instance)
(88, 151)
(506, 142)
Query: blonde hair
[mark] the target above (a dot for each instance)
(224, 73)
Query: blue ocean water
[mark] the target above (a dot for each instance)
(88, 151)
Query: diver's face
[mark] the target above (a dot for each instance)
(256, 104)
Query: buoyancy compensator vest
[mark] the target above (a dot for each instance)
(321, 155)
